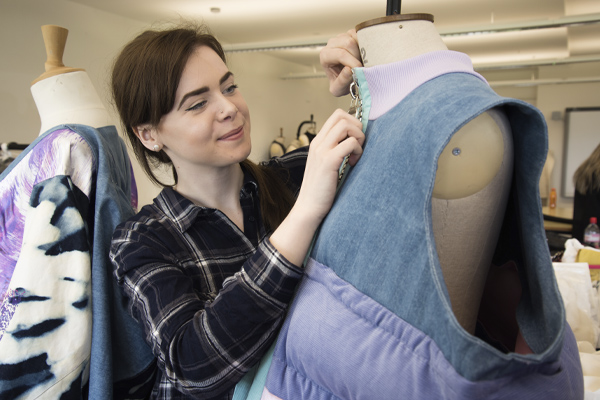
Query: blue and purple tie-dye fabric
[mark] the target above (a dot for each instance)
(62, 152)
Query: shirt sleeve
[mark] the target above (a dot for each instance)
(204, 347)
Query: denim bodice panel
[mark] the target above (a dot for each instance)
(377, 244)
(121, 360)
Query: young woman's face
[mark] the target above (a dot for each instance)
(209, 125)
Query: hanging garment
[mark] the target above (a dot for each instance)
(372, 317)
(65, 332)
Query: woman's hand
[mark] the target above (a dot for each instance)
(340, 136)
(338, 58)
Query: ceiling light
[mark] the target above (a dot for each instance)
(524, 26)
(474, 31)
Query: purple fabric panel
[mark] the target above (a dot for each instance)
(390, 83)
(61, 152)
(373, 354)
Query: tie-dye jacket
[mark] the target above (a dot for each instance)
(60, 201)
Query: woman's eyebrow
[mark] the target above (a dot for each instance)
(203, 89)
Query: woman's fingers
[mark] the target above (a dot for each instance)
(337, 124)
(338, 58)
(349, 147)
(341, 135)
(355, 150)
(342, 47)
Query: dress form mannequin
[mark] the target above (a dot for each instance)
(277, 147)
(61, 201)
(427, 240)
(474, 171)
(62, 94)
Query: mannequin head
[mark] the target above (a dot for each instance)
(65, 95)
(397, 37)
(69, 99)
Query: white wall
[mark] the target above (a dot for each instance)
(558, 97)
(276, 103)
(550, 98)
(95, 37)
(94, 40)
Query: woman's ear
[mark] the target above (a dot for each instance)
(147, 135)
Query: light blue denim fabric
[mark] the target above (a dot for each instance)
(378, 237)
(120, 358)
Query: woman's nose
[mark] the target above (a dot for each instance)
(227, 109)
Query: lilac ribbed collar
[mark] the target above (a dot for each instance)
(388, 84)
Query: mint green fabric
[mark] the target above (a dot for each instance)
(253, 383)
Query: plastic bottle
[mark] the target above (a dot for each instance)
(591, 235)
(552, 202)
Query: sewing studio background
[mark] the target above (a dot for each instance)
(545, 52)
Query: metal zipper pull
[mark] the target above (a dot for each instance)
(356, 110)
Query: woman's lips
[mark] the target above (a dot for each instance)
(234, 134)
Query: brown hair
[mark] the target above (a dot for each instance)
(587, 176)
(145, 78)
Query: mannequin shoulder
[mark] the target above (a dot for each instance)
(473, 156)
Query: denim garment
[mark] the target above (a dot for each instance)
(92, 167)
(45, 347)
(60, 152)
(376, 247)
(121, 361)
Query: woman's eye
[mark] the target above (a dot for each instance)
(230, 89)
(197, 106)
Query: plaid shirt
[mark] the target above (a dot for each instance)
(210, 297)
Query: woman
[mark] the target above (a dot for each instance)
(210, 267)
(586, 203)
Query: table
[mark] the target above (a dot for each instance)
(559, 219)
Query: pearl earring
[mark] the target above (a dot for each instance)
(156, 148)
